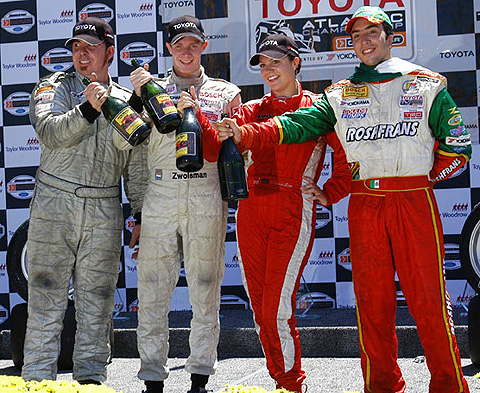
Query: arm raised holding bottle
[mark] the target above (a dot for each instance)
(155, 99)
(210, 141)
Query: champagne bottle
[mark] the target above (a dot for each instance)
(231, 172)
(124, 119)
(189, 153)
(159, 105)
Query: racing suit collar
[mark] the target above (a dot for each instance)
(185, 83)
(365, 73)
(388, 69)
(287, 100)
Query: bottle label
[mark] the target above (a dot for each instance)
(186, 144)
(162, 104)
(127, 122)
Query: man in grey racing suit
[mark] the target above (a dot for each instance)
(76, 219)
(183, 216)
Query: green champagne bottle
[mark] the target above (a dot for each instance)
(159, 105)
(123, 118)
(189, 152)
(231, 172)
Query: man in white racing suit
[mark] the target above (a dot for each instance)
(76, 219)
(183, 216)
(402, 132)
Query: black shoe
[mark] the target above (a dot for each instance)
(153, 387)
(89, 382)
(199, 381)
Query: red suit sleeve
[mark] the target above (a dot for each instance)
(211, 143)
(339, 184)
(255, 135)
(445, 164)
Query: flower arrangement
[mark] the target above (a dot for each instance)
(11, 384)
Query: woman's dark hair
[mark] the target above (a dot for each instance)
(297, 70)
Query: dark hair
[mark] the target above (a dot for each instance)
(388, 29)
(297, 70)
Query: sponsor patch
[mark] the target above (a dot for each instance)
(355, 103)
(382, 131)
(77, 96)
(455, 120)
(355, 91)
(188, 175)
(408, 100)
(460, 130)
(462, 141)
(211, 116)
(354, 113)
(412, 114)
(410, 87)
(40, 108)
(264, 116)
(171, 89)
(44, 89)
(45, 96)
(453, 110)
(449, 170)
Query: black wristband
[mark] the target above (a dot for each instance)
(138, 218)
(136, 102)
(89, 112)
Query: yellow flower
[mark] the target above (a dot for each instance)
(9, 384)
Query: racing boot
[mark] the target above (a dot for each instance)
(153, 387)
(199, 382)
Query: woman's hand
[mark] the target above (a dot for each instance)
(227, 128)
(316, 192)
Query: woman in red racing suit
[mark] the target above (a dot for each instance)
(276, 223)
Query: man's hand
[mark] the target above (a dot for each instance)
(228, 128)
(134, 240)
(317, 193)
(95, 93)
(139, 77)
(188, 100)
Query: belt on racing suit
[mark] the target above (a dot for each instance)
(274, 181)
(383, 185)
(78, 190)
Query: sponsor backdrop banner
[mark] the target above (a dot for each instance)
(438, 34)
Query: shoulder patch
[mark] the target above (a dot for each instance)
(52, 78)
(424, 73)
(338, 84)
